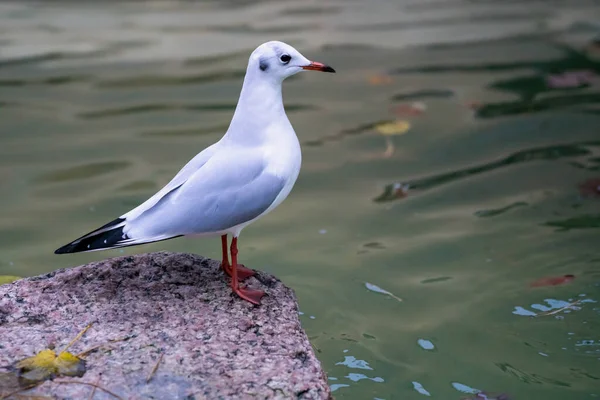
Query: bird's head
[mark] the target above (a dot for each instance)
(278, 60)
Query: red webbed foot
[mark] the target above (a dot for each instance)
(243, 273)
(250, 295)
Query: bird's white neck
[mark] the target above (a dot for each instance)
(259, 106)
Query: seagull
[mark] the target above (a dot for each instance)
(230, 184)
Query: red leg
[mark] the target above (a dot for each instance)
(253, 296)
(243, 272)
(225, 266)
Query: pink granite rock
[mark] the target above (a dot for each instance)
(214, 345)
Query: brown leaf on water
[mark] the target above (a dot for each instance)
(589, 188)
(380, 79)
(552, 281)
(410, 109)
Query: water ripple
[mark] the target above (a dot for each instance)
(157, 80)
(530, 377)
(53, 80)
(184, 132)
(83, 172)
(524, 156)
(152, 107)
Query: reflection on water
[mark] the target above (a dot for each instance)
(579, 222)
(352, 364)
(411, 265)
(530, 155)
(553, 307)
(88, 171)
(498, 211)
(530, 378)
(419, 388)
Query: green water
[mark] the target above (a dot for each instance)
(100, 105)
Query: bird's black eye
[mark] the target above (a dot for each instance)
(285, 58)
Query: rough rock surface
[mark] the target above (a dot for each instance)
(214, 345)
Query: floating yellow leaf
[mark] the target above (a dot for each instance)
(47, 365)
(4, 279)
(393, 128)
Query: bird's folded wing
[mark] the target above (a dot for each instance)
(182, 176)
(229, 189)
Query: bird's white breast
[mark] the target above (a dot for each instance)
(283, 158)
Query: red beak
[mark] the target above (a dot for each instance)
(317, 66)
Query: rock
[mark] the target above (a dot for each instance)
(213, 345)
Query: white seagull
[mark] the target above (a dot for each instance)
(231, 183)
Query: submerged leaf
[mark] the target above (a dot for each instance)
(393, 128)
(4, 279)
(552, 281)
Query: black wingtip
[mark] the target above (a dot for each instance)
(105, 238)
(68, 248)
(62, 250)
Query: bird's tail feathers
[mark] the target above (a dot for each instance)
(106, 237)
